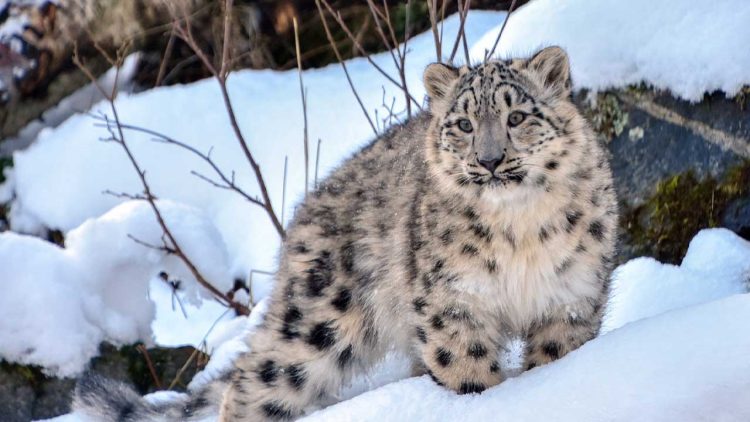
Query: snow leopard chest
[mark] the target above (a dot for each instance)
(527, 284)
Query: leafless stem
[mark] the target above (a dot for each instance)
(183, 368)
(170, 244)
(303, 93)
(283, 188)
(340, 21)
(317, 162)
(343, 66)
(157, 382)
(399, 57)
(165, 58)
(463, 11)
(228, 181)
(431, 8)
(500, 34)
(184, 31)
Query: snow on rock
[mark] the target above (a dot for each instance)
(689, 364)
(717, 264)
(44, 318)
(58, 304)
(688, 47)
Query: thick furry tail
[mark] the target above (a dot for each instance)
(106, 400)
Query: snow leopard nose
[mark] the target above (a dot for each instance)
(492, 163)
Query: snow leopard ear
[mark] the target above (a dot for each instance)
(553, 69)
(438, 78)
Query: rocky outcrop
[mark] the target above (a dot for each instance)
(679, 167)
(26, 393)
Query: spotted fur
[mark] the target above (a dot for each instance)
(468, 224)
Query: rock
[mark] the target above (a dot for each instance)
(672, 179)
(28, 394)
(737, 217)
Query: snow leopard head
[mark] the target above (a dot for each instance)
(505, 126)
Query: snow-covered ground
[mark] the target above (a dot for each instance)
(104, 286)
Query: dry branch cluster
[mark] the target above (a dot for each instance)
(220, 61)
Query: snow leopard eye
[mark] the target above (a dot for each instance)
(516, 118)
(465, 125)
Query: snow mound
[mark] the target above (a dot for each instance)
(688, 47)
(681, 359)
(717, 264)
(59, 304)
(690, 364)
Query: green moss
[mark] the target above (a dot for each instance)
(30, 374)
(129, 362)
(607, 118)
(681, 206)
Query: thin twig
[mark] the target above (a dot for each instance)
(463, 11)
(317, 161)
(170, 244)
(431, 6)
(340, 21)
(303, 93)
(141, 348)
(343, 66)
(489, 54)
(221, 75)
(229, 182)
(183, 368)
(165, 58)
(397, 56)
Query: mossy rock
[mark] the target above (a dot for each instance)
(26, 393)
(682, 206)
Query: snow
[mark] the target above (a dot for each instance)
(675, 338)
(673, 347)
(96, 289)
(668, 355)
(717, 264)
(690, 364)
(689, 47)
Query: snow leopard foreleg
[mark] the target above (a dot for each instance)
(562, 331)
(456, 348)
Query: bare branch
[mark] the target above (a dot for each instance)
(225, 59)
(343, 66)
(170, 244)
(431, 6)
(489, 54)
(165, 58)
(303, 93)
(399, 58)
(163, 248)
(283, 188)
(463, 11)
(184, 31)
(317, 161)
(340, 21)
(229, 182)
(157, 382)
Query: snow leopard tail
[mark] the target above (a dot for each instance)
(106, 400)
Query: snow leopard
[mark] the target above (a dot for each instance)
(491, 215)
